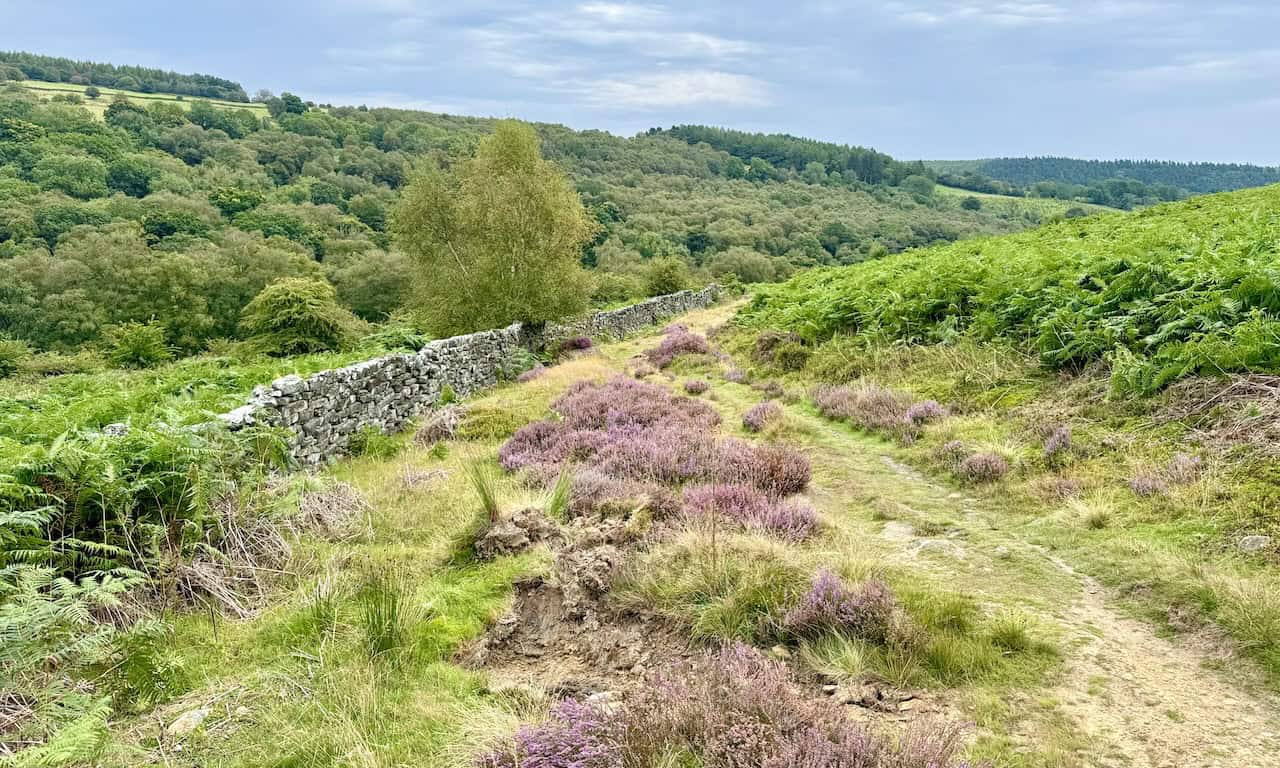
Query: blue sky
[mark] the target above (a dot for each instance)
(1170, 79)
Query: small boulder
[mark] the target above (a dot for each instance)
(187, 722)
(1253, 543)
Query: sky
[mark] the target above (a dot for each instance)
(935, 79)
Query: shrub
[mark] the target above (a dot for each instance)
(774, 469)
(830, 606)
(137, 345)
(1147, 485)
(676, 343)
(760, 415)
(747, 506)
(574, 735)
(791, 356)
(985, 467)
(924, 412)
(576, 343)
(1058, 443)
(665, 275)
(13, 353)
(868, 406)
(735, 376)
(296, 316)
(736, 708)
(696, 386)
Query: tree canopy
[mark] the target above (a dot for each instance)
(496, 239)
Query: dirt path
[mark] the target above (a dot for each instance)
(1138, 699)
(1160, 707)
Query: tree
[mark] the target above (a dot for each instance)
(297, 316)
(92, 92)
(664, 275)
(79, 176)
(971, 203)
(131, 175)
(920, 187)
(496, 239)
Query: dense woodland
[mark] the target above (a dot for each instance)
(177, 214)
(17, 65)
(1115, 183)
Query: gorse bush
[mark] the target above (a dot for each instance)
(297, 316)
(1182, 289)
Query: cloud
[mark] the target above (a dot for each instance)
(1008, 13)
(677, 89)
(1017, 13)
(1205, 67)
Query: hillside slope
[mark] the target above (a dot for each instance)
(207, 203)
(1111, 382)
(1181, 289)
(1195, 178)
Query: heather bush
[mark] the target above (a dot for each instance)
(1183, 468)
(952, 452)
(735, 376)
(592, 492)
(576, 343)
(736, 708)
(1147, 485)
(535, 372)
(830, 606)
(774, 469)
(792, 520)
(696, 386)
(677, 343)
(985, 467)
(869, 407)
(623, 402)
(1058, 443)
(574, 735)
(924, 412)
(792, 356)
(759, 416)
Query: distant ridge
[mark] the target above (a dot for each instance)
(52, 69)
(1195, 178)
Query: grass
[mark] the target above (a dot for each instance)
(307, 681)
(1043, 208)
(99, 105)
(1165, 554)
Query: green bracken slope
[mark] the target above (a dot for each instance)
(1181, 289)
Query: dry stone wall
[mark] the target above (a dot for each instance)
(324, 411)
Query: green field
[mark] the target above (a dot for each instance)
(1044, 208)
(99, 105)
